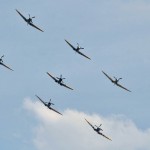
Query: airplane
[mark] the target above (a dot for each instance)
(98, 130)
(59, 80)
(115, 81)
(1, 63)
(48, 104)
(29, 20)
(77, 49)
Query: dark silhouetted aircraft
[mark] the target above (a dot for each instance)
(1, 63)
(77, 49)
(98, 129)
(59, 80)
(48, 104)
(29, 20)
(115, 81)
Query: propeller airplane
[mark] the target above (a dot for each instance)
(1, 63)
(77, 49)
(29, 20)
(98, 130)
(59, 80)
(48, 104)
(115, 81)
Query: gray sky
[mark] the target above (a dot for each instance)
(116, 37)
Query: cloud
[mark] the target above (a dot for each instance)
(70, 131)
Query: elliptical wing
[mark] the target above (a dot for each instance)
(55, 110)
(66, 86)
(123, 87)
(90, 124)
(40, 99)
(31, 24)
(71, 45)
(104, 136)
(83, 55)
(52, 77)
(6, 66)
(108, 76)
(25, 19)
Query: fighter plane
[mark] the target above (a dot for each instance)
(77, 49)
(48, 104)
(59, 80)
(1, 63)
(98, 130)
(115, 81)
(29, 20)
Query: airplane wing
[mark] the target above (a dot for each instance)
(108, 76)
(52, 77)
(40, 99)
(56, 111)
(90, 124)
(83, 54)
(123, 87)
(6, 66)
(31, 24)
(21, 15)
(104, 136)
(66, 86)
(70, 45)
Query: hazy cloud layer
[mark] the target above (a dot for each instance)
(70, 131)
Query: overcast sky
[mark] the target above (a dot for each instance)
(115, 35)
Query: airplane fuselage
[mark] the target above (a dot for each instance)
(59, 81)
(29, 20)
(77, 49)
(115, 81)
(97, 130)
(49, 105)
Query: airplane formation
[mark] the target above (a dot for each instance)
(60, 79)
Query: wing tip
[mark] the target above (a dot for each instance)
(103, 72)
(109, 139)
(85, 119)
